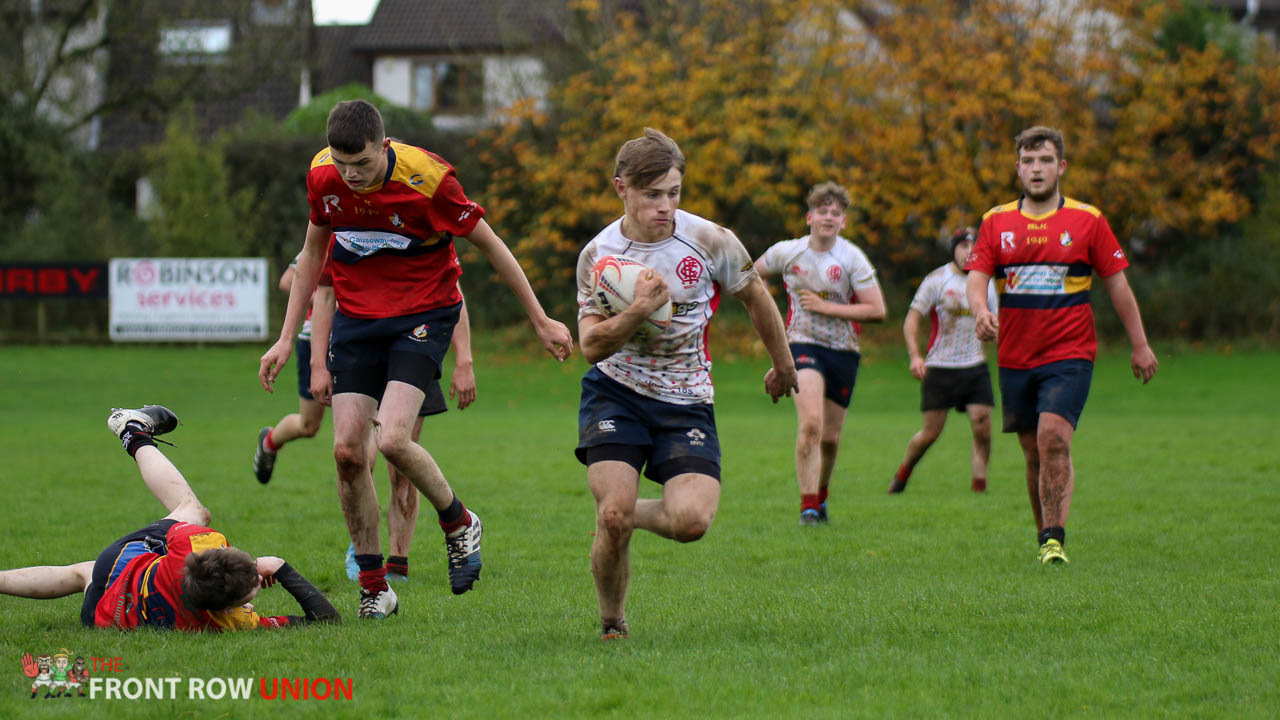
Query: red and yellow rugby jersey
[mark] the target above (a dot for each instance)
(149, 590)
(392, 252)
(1043, 266)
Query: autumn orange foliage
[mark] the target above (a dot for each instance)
(913, 108)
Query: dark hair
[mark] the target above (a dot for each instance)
(828, 192)
(352, 125)
(644, 160)
(219, 578)
(964, 234)
(1034, 137)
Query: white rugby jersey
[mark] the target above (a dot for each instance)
(699, 261)
(835, 275)
(953, 343)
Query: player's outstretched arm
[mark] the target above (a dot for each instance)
(315, 606)
(1143, 359)
(554, 335)
(780, 380)
(306, 277)
(986, 325)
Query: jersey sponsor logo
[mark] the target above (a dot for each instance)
(833, 272)
(419, 333)
(796, 269)
(684, 308)
(606, 426)
(415, 179)
(696, 437)
(1065, 239)
(331, 205)
(396, 221)
(467, 213)
(1006, 240)
(1119, 255)
(1036, 280)
(747, 267)
(689, 270)
(368, 242)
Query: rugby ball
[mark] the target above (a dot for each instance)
(613, 283)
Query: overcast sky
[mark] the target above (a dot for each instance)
(342, 12)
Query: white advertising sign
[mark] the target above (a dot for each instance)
(188, 299)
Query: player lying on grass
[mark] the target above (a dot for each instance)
(175, 572)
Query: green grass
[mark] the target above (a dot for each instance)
(928, 604)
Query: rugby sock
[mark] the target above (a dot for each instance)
(903, 474)
(809, 501)
(270, 444)
(135, 437)
(373, 576)
(454, 517)
(1053, 533)
(980, 485)
(822, 495)
(398, 564)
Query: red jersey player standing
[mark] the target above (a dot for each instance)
(393, 211)
(1043, 250)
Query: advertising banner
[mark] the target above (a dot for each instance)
(38, 280)
(219, 299)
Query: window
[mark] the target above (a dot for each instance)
(448, 86)
(196, 40)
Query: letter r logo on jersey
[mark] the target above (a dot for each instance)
(331, 204)
(1006, 241)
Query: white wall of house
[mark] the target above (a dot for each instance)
(511, 78)
(506, 80)
(393, 79)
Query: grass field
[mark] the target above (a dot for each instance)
(928, 604)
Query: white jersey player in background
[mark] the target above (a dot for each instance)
(649, 406)
(831, 286)
(954, 373)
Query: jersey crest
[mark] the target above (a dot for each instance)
(689, 270)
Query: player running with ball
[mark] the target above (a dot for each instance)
(649, 406)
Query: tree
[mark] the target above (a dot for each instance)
(199, 214)
(913, 107)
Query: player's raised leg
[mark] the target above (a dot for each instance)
(615, 486)
(685, 512)
(136, 428)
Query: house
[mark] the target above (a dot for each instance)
(460, 60)
(229, 57)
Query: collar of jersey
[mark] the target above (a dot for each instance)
(1062, 200)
